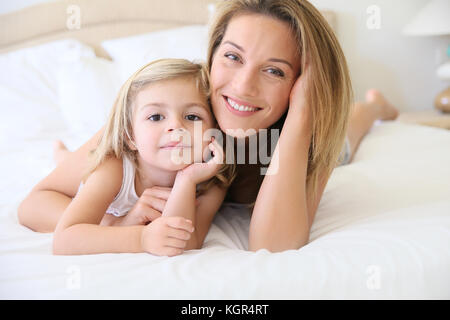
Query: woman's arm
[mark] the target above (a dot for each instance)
(209, 204)
(44, 205)
(281, 220)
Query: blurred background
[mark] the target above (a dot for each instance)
(401, 66)
(379, 54)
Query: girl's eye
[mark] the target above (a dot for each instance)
(276, 72)
(193, 117)
(156, 117)
(232, 56)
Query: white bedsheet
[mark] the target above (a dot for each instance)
(382, 229)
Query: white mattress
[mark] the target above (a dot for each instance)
(382, 229)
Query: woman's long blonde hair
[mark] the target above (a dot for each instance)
(118, 131)
(330, 90)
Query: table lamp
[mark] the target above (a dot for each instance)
(434, 20)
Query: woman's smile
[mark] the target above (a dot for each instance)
(240, 108)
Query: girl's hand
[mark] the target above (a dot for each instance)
(149, 206)
(166, 236)
(199, 172)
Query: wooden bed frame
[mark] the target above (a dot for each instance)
(92, 21)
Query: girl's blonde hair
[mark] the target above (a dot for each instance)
(118, 131)
(330, 92)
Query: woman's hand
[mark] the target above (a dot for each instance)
(199, 172)
(299, 104)
(166, 236)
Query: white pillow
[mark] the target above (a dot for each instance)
(189, 42)
(33, 70)
(29, 85)
(87, 90)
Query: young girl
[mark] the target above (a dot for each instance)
(149, 142)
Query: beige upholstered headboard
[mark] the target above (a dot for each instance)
(98, 20)
(93, 21)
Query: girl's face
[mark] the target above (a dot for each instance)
(252, 73)
(164, 116)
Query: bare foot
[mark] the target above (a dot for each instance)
(60, 151)
(387, 110)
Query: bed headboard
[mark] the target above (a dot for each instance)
(98, 20)
(92, 21)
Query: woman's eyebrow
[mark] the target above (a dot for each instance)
(271, 59)
(235, 45)
(282, 61)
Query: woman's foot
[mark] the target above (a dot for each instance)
(60, 151)
(386, 110)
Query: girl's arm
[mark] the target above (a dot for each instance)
(281, 219)
(78, 230)
(181, 203)
(44, 205)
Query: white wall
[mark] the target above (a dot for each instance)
(402, 67)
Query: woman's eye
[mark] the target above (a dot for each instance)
(232, 56)
(193, 117)
(156, 117)
(276, 72)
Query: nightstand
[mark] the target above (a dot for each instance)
(433, 118)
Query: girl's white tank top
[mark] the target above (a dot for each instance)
(127, 197)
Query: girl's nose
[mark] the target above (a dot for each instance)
(175, 125)
(181, 129)
(245, 83)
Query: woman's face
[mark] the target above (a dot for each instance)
(252, 73)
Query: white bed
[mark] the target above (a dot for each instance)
(382, 229)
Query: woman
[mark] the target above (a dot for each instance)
(273, 65)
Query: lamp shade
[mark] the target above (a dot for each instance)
(443, 72)
(432, 20)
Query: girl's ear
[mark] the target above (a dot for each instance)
(130, 143)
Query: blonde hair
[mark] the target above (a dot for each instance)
(119, 128)
(329, 92)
